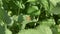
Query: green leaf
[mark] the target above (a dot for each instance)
(38, 12)
(2, 30)
(20, 18)
(48, 22)
(45, 4)
(32, 9)
(40, 30)
(7, 31)
(51, 6)
(4, 16)
(44, 29)
(31, 0)
(1, 13)
(58, 32)
(26, 20)
(15, 18)
(54, 2)
(55, 10)
(20, 5)
(54, 29)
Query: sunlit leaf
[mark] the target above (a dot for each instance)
(56, 10)
(7, 31)
(45, 4)
(31, 0)
(40, 30)
(54, 2)
(48, 22)
(32, 9)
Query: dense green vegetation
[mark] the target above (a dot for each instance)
(29, 16)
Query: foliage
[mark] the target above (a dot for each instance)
(29, 16)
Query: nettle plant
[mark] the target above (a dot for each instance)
(29, 16)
